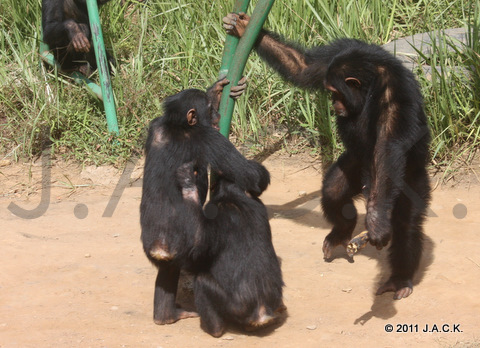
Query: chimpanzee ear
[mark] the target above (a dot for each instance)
(353, 82)
(192, 117)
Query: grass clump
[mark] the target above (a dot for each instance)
(163, 47)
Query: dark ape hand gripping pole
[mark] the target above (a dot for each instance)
(231, 42)
(235, 57)
(105, 93)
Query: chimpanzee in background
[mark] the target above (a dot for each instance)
(185, 133)
(66, 30)
(382, 124)
(237, 273)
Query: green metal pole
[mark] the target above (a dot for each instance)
(48, 58)
(102, 66)
(239, 60)
(231, 42)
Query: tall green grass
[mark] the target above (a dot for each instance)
(164, 46)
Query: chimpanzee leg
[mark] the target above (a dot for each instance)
(165, 310)
(407, 238)
(70, 60)
(209, 296)
(214, 306)
(342, 182)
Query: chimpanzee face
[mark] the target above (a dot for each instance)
(337, 101)
(347, 98)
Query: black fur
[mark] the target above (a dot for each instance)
(65, 22)
(384, 129)
(238, 275)
(168, 231)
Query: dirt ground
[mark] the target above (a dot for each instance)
(73, 272)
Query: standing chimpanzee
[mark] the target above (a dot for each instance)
(382, 124)
(66, 30)
(185, 133)
(237, 273)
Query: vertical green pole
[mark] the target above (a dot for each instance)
(231, 42)
(239, 60)
(48, 58)
(102, 66)
(76, 76)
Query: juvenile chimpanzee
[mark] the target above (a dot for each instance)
(66, 30)
(382, 124)
(237, 273)
(186, 132)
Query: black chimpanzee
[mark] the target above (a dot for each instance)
(66, 30)
(237, 273)
(186, 132)
(382, 124)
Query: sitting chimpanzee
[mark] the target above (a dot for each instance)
(66, 30)
(186, 132)
(382, 124)
(237, 273)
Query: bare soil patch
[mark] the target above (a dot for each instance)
(77, 277)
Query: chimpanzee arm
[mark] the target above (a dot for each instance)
(388, 176)
(59, 30)
(399, 152)
(290, 60)
(287, 59)
(52, 23)
(78, 34)
(225, 159)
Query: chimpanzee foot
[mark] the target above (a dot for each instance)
(214, 329)
(402, 289)
(329, 246)
(216, 334)
(179, 315)
(183, 314)
(85, 69)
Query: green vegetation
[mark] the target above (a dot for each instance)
(164, 46)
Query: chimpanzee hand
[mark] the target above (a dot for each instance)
(378, 225)
(237, 91)
(80, 43)
(215, 92)
(78, 36)
(235, 24)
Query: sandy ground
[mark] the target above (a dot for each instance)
(76, 276)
